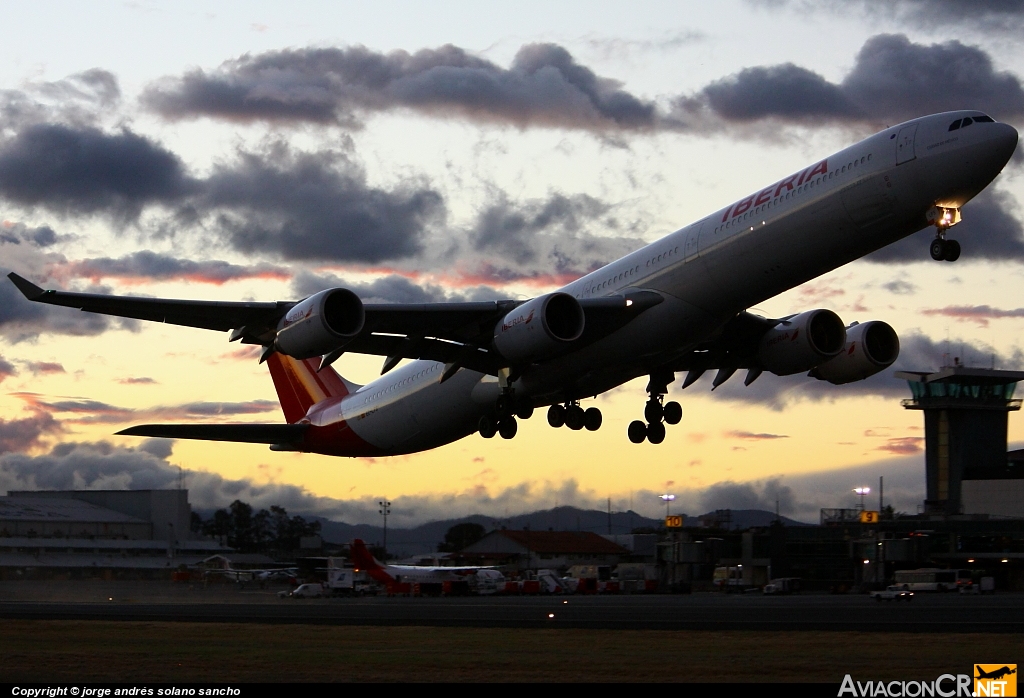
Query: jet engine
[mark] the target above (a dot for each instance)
(539, 328)
(320, 323)
(870, 348)
(801, 342)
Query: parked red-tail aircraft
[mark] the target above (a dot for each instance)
(482, 580)
(678, 304)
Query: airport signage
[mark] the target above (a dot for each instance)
(673, 522)
(869, 517)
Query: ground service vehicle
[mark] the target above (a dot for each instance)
(932, 579)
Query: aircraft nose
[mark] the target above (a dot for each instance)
(1004, 138)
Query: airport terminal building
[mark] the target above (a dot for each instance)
(98, 533)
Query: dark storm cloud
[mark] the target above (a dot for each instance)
(392, 289)
(918, 352)
(555, 234)
(316, 206)
(154, 266)
(7, 369)
(990, 230)
(786, 91)
(893, 79)
(85, 411)
(749, 495)
(544, 86)
(22, 434)
(84, 170)
(985, 15)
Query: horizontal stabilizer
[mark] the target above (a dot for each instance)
(246, 433)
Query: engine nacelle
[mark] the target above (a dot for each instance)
(870, 347)
(320, 323)
(539, 328)
(802, 342)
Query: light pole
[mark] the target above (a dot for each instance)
(862, 492)
(667, 498)
(385, 509)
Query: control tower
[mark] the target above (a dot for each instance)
(965, 424)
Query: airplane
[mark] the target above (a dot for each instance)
(995, 673)
(483, 580)
(679, 304)
(248, 575)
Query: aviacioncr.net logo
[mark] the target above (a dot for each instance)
(946, 686)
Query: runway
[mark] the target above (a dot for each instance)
(1002, 613)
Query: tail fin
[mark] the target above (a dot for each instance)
(299, 386)
(363, 560)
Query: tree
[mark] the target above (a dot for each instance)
(461, 536)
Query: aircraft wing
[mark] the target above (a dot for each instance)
(453, 333)
(733, 347)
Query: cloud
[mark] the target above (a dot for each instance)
(7, 369)
(990, 230)
(980, 314)
(37, 367)
(23, 434)
(145, 265)
(140, 380)
(751, 436)
(893, 79)
(86, 411)
(992, 16)
(80, 99)
(316, 206)
(84, 170)
(545, 86)
(392, 288)
(903, 445)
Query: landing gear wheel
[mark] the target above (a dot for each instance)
(637, 431)
(938, 249)
(574, 417)
(952, 251)
(673, 413)
(656, 432)
(508, 428)
(592, 419)
(653, 411)
(524, 410)
(556, 416)
(487, 427)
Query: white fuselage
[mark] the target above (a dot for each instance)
(833, 212)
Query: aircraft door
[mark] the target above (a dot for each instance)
(905, 144)
(692, 238)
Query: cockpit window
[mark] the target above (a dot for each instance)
(984, 119)
(955, 125)
(967, 122)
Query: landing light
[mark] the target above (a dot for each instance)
(629, 303)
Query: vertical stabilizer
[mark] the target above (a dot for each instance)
(299, 386)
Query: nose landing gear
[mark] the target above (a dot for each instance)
(656, 412)
(943, 219)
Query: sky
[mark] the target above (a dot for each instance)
(463, 151)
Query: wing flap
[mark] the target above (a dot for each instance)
(244, 433)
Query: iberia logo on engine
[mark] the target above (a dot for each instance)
(995, 680)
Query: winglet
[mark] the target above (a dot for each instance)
(27, 288)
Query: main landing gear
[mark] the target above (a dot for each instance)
(503, 421)
(575, 417)
(943, 219)
(656, 412)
